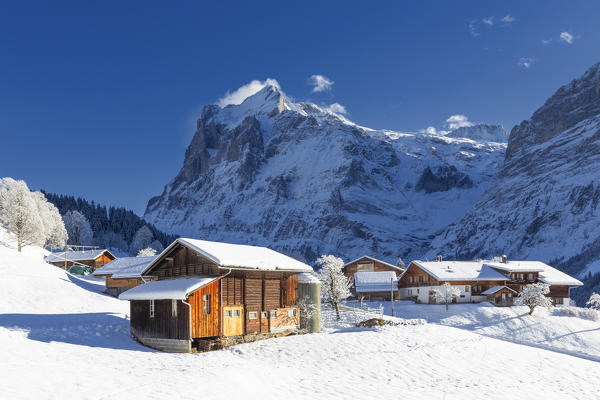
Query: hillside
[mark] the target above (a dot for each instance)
(61, 339)
(544, 202)
(306, 181)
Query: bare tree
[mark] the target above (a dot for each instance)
(335, 286)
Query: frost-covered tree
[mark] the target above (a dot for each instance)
(147, 252)
(445, 293)
(20, 214)
(335, 286)
(400, 263)
(78, 228)
(53, 227)
(594, 301)
(142, 239)
(307, 309)
(534, 295)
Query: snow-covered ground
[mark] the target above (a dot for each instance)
(548, 329)
(61, 339)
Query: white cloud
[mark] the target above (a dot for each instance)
(488, 21)
(546, 41)
(320, 83)
(472, 29)
(508, 19)
(567, 37)
(337, 108)
(458, 121)
(526, 62)
(241, 94)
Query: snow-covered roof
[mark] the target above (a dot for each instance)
(495, 289)
(240, 256)
(125, 267)
(460, 271)
(483, 270)
(307, 277)
(376, 260)
(76, 255)
(375, 281)
(177, 289)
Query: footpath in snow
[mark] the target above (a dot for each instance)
(62, 339)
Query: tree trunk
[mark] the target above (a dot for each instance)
(337, 310)
(531, 310)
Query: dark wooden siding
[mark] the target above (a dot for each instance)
(271, 294)
(352, 268)
(203, 324)
(181, 261)
(164, 325)
(233, 290)
(254, 297)
(289, 290)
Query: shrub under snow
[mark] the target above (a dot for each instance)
(594, 301)
(534, 295)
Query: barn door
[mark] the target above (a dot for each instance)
(233, 320)
(264, 322)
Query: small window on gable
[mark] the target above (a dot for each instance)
(174, 308)
(365, 267)
(420, 278)
(467, 288)
(236, 313)
(273, 314)
(151, 308)
(252, 315)
(292, 312)
(264, 314)
(228, 313)
(206, 301)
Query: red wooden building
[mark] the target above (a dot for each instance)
(207, 293)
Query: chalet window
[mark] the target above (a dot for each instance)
(409, 292)
(273, 314)
(151, 308)
(410, 279)
(206, 300)
(530, 277)
(292, 312)
(252, 315)
(228, 313)
(467, 289)
(174, 308)
(420, 278)
(365, 267)
(236, 313)
(264, 314)
(418, 291)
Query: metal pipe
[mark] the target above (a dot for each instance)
(221, 301)
(190, 316)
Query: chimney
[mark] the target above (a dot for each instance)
(439, 258)
(504, 258)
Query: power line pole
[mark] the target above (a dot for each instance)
(392, 294)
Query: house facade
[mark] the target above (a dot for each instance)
(375, 276)
(210, 294)
(497, 281)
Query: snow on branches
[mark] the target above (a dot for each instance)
(594, 301)
(445, 293)
(80, 231)
(534, 295)
(335, 286)
(28, 215)
(147, 252)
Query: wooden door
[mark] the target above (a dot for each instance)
(233, 320)
(264, 322)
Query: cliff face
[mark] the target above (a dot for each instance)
(306, 181)
(544, 203)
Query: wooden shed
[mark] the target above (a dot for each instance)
(94, 258)
(124, 273)
(369, 264)
(500, 295)
(214, 294)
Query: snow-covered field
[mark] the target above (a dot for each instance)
(61, 339)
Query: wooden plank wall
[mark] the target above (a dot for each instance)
(164, 325)
(289, 290)
(203, 324)
(233, 290)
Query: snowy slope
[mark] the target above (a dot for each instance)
(93, 357)
(544, 203)
(306, 181)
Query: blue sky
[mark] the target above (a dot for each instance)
(98, 99)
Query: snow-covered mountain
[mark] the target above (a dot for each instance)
(307, 181)
(544, 204)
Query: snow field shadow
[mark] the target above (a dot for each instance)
(103, 330)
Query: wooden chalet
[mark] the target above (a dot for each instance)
(376, 285)
(211, 294)
(94, 259)
(124, 273)
(483, 280)
(366, 265)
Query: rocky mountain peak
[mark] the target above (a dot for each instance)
(486, 132)
(569, 105)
